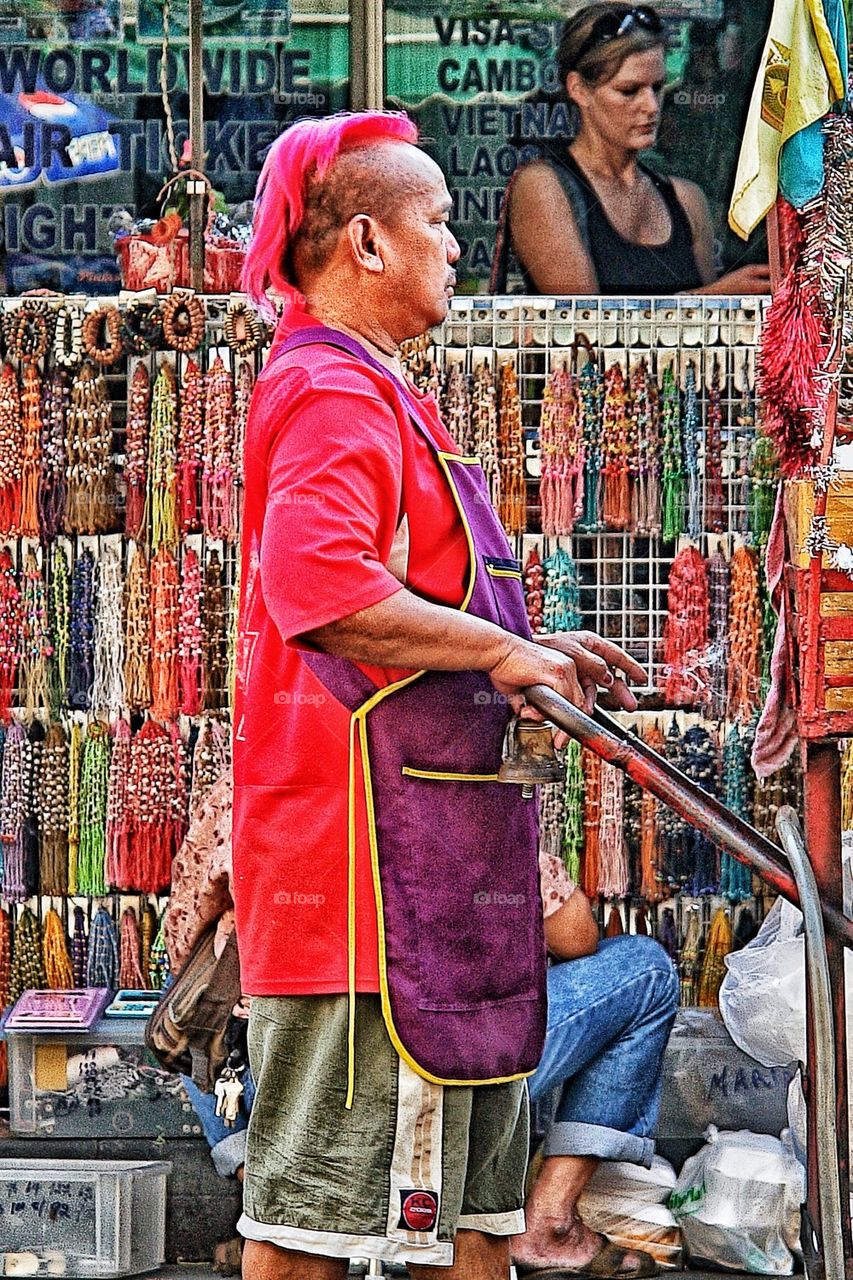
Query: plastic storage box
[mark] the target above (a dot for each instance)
(82, 1217)
(60, 1083)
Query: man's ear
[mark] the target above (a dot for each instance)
(365, 241)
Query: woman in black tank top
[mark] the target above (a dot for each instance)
(587, 217)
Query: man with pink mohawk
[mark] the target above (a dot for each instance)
(386, 885)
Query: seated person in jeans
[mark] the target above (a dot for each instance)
(611, 1005)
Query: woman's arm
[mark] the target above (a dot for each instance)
(753, 278)
(545, 236)
(572, 930)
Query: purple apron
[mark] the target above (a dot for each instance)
(453, 851)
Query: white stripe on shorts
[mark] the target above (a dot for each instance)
(331, 1244)
(416, 1162)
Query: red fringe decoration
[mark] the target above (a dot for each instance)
(685, 637)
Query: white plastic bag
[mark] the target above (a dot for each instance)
(738, 1202)
(763, 995)
(626, 1203)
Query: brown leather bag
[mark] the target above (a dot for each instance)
(187, 1030)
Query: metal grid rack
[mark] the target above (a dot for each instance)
(623, 577)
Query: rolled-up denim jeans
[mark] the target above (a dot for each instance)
(227, 1145)
(609, 1018)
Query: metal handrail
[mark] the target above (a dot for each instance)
(617, 745)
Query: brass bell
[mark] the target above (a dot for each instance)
(528, 755)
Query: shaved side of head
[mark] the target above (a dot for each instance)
(375, 180)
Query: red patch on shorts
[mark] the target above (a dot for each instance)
(418, 1210)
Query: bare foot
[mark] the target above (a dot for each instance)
(551, 1242)
(227, 1257)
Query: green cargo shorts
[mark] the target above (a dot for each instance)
(396, 1176)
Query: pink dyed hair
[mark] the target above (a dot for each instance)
(308, 149)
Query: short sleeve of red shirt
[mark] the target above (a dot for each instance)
(329, 527)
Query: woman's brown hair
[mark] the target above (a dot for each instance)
(602, 62)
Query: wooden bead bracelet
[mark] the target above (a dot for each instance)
(242, 329)
(101, 335)
(141, 328)
(184, 320)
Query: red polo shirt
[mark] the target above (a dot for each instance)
(344, 501)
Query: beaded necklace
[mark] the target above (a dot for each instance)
(485, 425)
(75, 752)
(147, 930)
(714, 512)
(27, 332)
(79, 948)
(632, 808)
(67, 350)
(154, 802)
(700, 761)
(90, 499)
(82, 651)
(685, 637)
(718, 616)
(214, 620)
(561, 603)
(137, 634)
(190, 447)
(17, 757)
(217, 477)
(713, 971)
(689, 959)
(616, 450)
(190, 637)
(10, 631)
(11, 450)
(673, 467)
(573, 832)
(136, 451)
(646, 513)
(158, 961)
(130, 970)
(102, 963)
(735, 878)
(561, 485)
(183, 322)
(667, 935)
(141, 328)
(745, 441)
(744, 686)
(456, 409)
(102, 335)
(57, 961)
(764, 469)
(591, 389)
(162, 460)
(211, 758)
(94, 782)
(31, 420)
(36, 644)
(52, 797)
(27, 968)
(513, 503)
(232, 638)
(29, 834)
(673, 829)
(551, 802)
(51, 485)
(591, 768)
(59, 615)
(243, 330)
(164, 635)
(651, 853)
(243, 390)
(612, 864)
(534, 591)
(118, 868)
(691, 452)
(108, 686)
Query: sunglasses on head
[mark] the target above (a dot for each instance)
(612, 26)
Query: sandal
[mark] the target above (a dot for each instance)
(227, 1257)
(606, 1265)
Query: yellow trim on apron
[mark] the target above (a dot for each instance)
(434, 774)
(358, 722)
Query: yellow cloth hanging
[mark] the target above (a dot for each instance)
(713, 966)
(799, 79)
